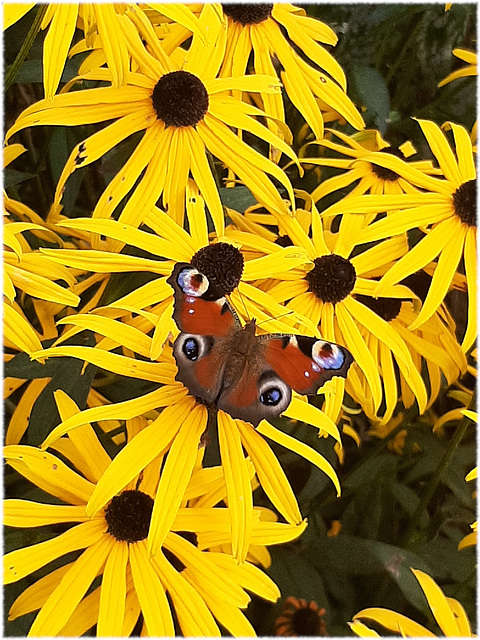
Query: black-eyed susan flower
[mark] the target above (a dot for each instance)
(332, 291)
(186, 421)
(181, 106)
(362, 176)
(445, 206)
(271, 35)
(272, 32)
(448, 613)
(113, 545)
(300, 618)
(168, 243)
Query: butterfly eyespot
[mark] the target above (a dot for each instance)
(192, 282)
(271, 397)
(190, 349)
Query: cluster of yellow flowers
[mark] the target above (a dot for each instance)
(200, 91)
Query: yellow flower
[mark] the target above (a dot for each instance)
(259, 29)
(371, 178)
(184, 111)
(113, 545)
(270, 34)
(447, 206)
(448, 612)
(335, 290)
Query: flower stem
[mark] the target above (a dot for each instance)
(26, 46)
(436, 478)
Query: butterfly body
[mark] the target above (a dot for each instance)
(249, 376)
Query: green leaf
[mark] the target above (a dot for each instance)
(239, 198)
(373, 93)
(68, 377)
(12, 177)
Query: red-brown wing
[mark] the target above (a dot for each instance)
(306, 363)
(195, 311)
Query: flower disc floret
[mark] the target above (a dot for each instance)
(128, 516)
(383, 172)
(248, 13)
(332, 278)
(465, 202)
(180, 99)
(222, 263)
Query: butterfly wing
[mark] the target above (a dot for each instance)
(306, 363)
(205, 322)
(258, 393)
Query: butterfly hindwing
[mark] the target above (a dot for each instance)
(306, 363)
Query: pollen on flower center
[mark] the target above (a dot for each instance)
(332, 278)
(128, 516)
(465, 202)
(248, 13)
(383, 172)
(222, 263)
(386, 308)
(180, 99)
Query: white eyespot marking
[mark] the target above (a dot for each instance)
(191, 311)
(192, 282)
(315, 367)
(190, 299)
(306, 374)
(328, 355)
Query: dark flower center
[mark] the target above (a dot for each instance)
(128, 516)
(248, 13)
(174, 561)
(307, 622)
(332, 278)
(284, 241)
(465, 202)
(386, 308)
(388, 174)
(222, 263)
(180, 99)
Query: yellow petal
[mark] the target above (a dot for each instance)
(56, 45)
(22, 513)
(395, 622)
(151, 442)
(193, 615)
(305, 412)
(269, 431)
(23, 562)
(49, 473)
(162, 372)
(438, 604)
(177, 471)
(35, 596)
(120, 411)
(113, 591)
(270, 473)
(61, 604)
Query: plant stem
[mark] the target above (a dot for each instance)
(26, 46)
(436, 478)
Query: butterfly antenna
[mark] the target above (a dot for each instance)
(287, 313)
(242, 298)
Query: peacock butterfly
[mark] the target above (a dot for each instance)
(226, 365)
